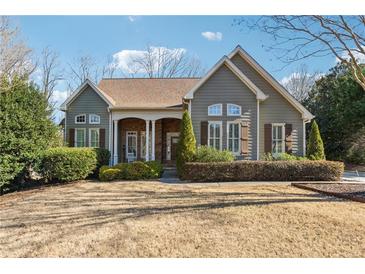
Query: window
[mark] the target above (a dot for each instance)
(278, 143)
(233, 110)
(143, 144)
(215, 110)
(131, 146)
(94, 119)
(215, 135)
(80, 137)
(94, 137)
(233, 136)
(80, 119)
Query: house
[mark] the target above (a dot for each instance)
(237, 106)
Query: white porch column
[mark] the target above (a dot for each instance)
(147, 140)
(115, 147)
(153, 140)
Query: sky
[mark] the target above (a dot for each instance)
(206, 37)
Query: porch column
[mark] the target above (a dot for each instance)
(115, 147)
(147, 140)
(153, 140)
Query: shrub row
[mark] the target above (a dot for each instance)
(131, 171)
(282, 157)
(264, 171)
(65, 164)
(205, 154)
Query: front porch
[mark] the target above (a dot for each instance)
(145, 137)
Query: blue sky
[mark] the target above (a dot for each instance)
(99, 36)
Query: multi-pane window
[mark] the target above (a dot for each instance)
(215, 110)
(278, 142)
(80, 137)
(80, 119)
(233, 110)
(94, 137)
(94, 119)
(215, 135)
(233, 137)
(131, 146)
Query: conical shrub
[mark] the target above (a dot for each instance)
(315, 149)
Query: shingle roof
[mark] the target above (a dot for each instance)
(147, 92)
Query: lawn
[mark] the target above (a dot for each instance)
(150, 219)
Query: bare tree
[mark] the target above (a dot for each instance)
(162, 62)
(300, 37)
(300, 82)
(15, 56)
(50, 72)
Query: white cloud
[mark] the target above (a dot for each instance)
(125, 59)
(58, 97)
(132, 18)
(212, 36)
(360, 57)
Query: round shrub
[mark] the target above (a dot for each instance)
(109, 174)
(68, 164)
(157, 168)
(138, 170)
(103, 157)
(205, 154)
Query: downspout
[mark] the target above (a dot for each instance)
(110, 136)
(258, 130)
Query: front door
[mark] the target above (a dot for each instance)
(174, 141)
(131, 144)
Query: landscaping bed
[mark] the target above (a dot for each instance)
(355, 192)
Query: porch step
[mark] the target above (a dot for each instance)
(169, 175)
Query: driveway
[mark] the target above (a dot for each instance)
(151, 219)
(354, 176)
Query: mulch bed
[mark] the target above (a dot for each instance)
(355, 192)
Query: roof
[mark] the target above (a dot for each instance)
(147, 92)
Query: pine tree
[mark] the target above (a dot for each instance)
(186, 147)
(315, 150)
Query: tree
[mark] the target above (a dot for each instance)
(300, 82)
(300, 37)
(25, 128)
(50, 72)
(315, 150)
(186, 147)
(15, 56)
(160, 62)
(338, 103)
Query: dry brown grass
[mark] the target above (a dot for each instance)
(150, 219)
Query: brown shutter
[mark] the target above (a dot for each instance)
(203, 133)
(102, 138)
(244, 139)
(71, 137)
(268, 138)
(288, 138)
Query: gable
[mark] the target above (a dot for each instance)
(88, 98)
(266, 82)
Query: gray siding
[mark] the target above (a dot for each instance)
(222, 88)
(275, 109)
(88, 102)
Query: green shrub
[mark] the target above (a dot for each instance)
(68, 164)
(131, 171)
(356, 152)
(186, 147)
(103, 157)
(206, 154)
(315, 150)
(264, 171)
(282, 157)
(109, 174)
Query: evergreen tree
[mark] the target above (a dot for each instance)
(186, 147)
(315, 150)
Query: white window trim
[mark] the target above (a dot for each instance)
(221, 107)
(239, 137)
(80, 123)
(221, 132)
(94, 115)
(90, 129)
(234, 105)
(282, 134)
(126, 144)
(75, 136)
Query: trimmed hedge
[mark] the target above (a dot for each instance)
(131, 171)
(263, 171)
(67, 164)
(205, 154)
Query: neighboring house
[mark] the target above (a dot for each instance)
(237, 106)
